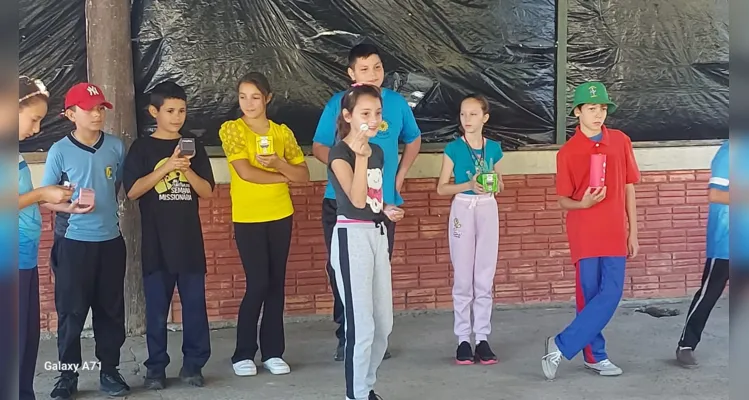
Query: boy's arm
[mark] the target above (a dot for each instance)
(200, 174)
(53, 176)
(411, 136)
(630, 199)
(719, 180)
(324, 138)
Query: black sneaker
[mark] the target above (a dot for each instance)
(65, 387)
(374, 396)
(464, 354)
(484, 354)
(191, 378)
(113, 384)
(387, 355)
(155, 380)
(340, 352)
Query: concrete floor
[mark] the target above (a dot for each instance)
(422, 367)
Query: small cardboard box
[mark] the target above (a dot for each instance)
(265, 145)
(187, 147)
(86, 197)
(489, 181)
(597, 170)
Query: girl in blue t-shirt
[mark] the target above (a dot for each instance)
(32, 107)
(473, 228)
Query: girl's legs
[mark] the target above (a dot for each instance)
(28, 333)
(272, 342)
(252, 243)
(382, 294)
(353, 262)
(462, 241)
(487, 246)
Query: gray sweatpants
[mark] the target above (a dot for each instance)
(360, 259)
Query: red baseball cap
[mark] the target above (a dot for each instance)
(86, 96)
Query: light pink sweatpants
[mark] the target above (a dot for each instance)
(474, 243)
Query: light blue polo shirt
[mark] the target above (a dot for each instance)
(717, 217)
(29, 221)
(99, 168)
(398, 124)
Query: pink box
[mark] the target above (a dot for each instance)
(597, 170)
(86, 197)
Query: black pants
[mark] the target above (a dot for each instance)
(90, 275)
(329, 218)
(196, 338)
(264, 249)
(714, 279)
(28, 330)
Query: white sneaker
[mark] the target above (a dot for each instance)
(277, 366)
(245, 368)
(550, 362)
(604, 368)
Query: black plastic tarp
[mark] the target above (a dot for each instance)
(665, 64)
(435, 52)
(52, 48)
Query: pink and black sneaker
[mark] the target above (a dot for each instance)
(464, 354)
(484, 354)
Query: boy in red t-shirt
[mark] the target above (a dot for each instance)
(601, 228)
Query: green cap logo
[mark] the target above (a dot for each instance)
(592, 93)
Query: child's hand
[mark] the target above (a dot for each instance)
(55, 194)
(360, 143)
(269, 161)
(394, 213)
(176, 162)
(593, 196)
(475, 186)
(75, 208)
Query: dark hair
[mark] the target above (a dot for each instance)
(164, 91)
(257, 79)
(29, 91)
(361, 50)
(484, 106)
(348, 102)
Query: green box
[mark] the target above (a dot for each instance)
(489, 181)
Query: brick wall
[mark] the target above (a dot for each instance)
(533, 264)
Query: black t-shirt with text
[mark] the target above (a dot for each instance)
(373, 210)
(172, 235)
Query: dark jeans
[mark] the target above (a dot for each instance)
(90, 275)
(264, 250)
(329, 218)
(196, 337)
(28, 330)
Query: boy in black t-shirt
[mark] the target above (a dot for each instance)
(167, 178)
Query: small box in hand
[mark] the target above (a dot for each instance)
(597, 170)
(264, 145)
(187, 147)
(489, 181)
(86, 197)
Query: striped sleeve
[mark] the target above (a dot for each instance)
(719, 178)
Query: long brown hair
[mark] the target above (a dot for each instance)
(30, 90)
(348, 102)
(484, 107)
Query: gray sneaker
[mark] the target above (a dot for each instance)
(604, 368)
(685, 357)
(550, 362)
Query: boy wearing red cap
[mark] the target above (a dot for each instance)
(601, 228)
(88, 254)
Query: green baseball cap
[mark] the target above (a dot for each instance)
(592, 93)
